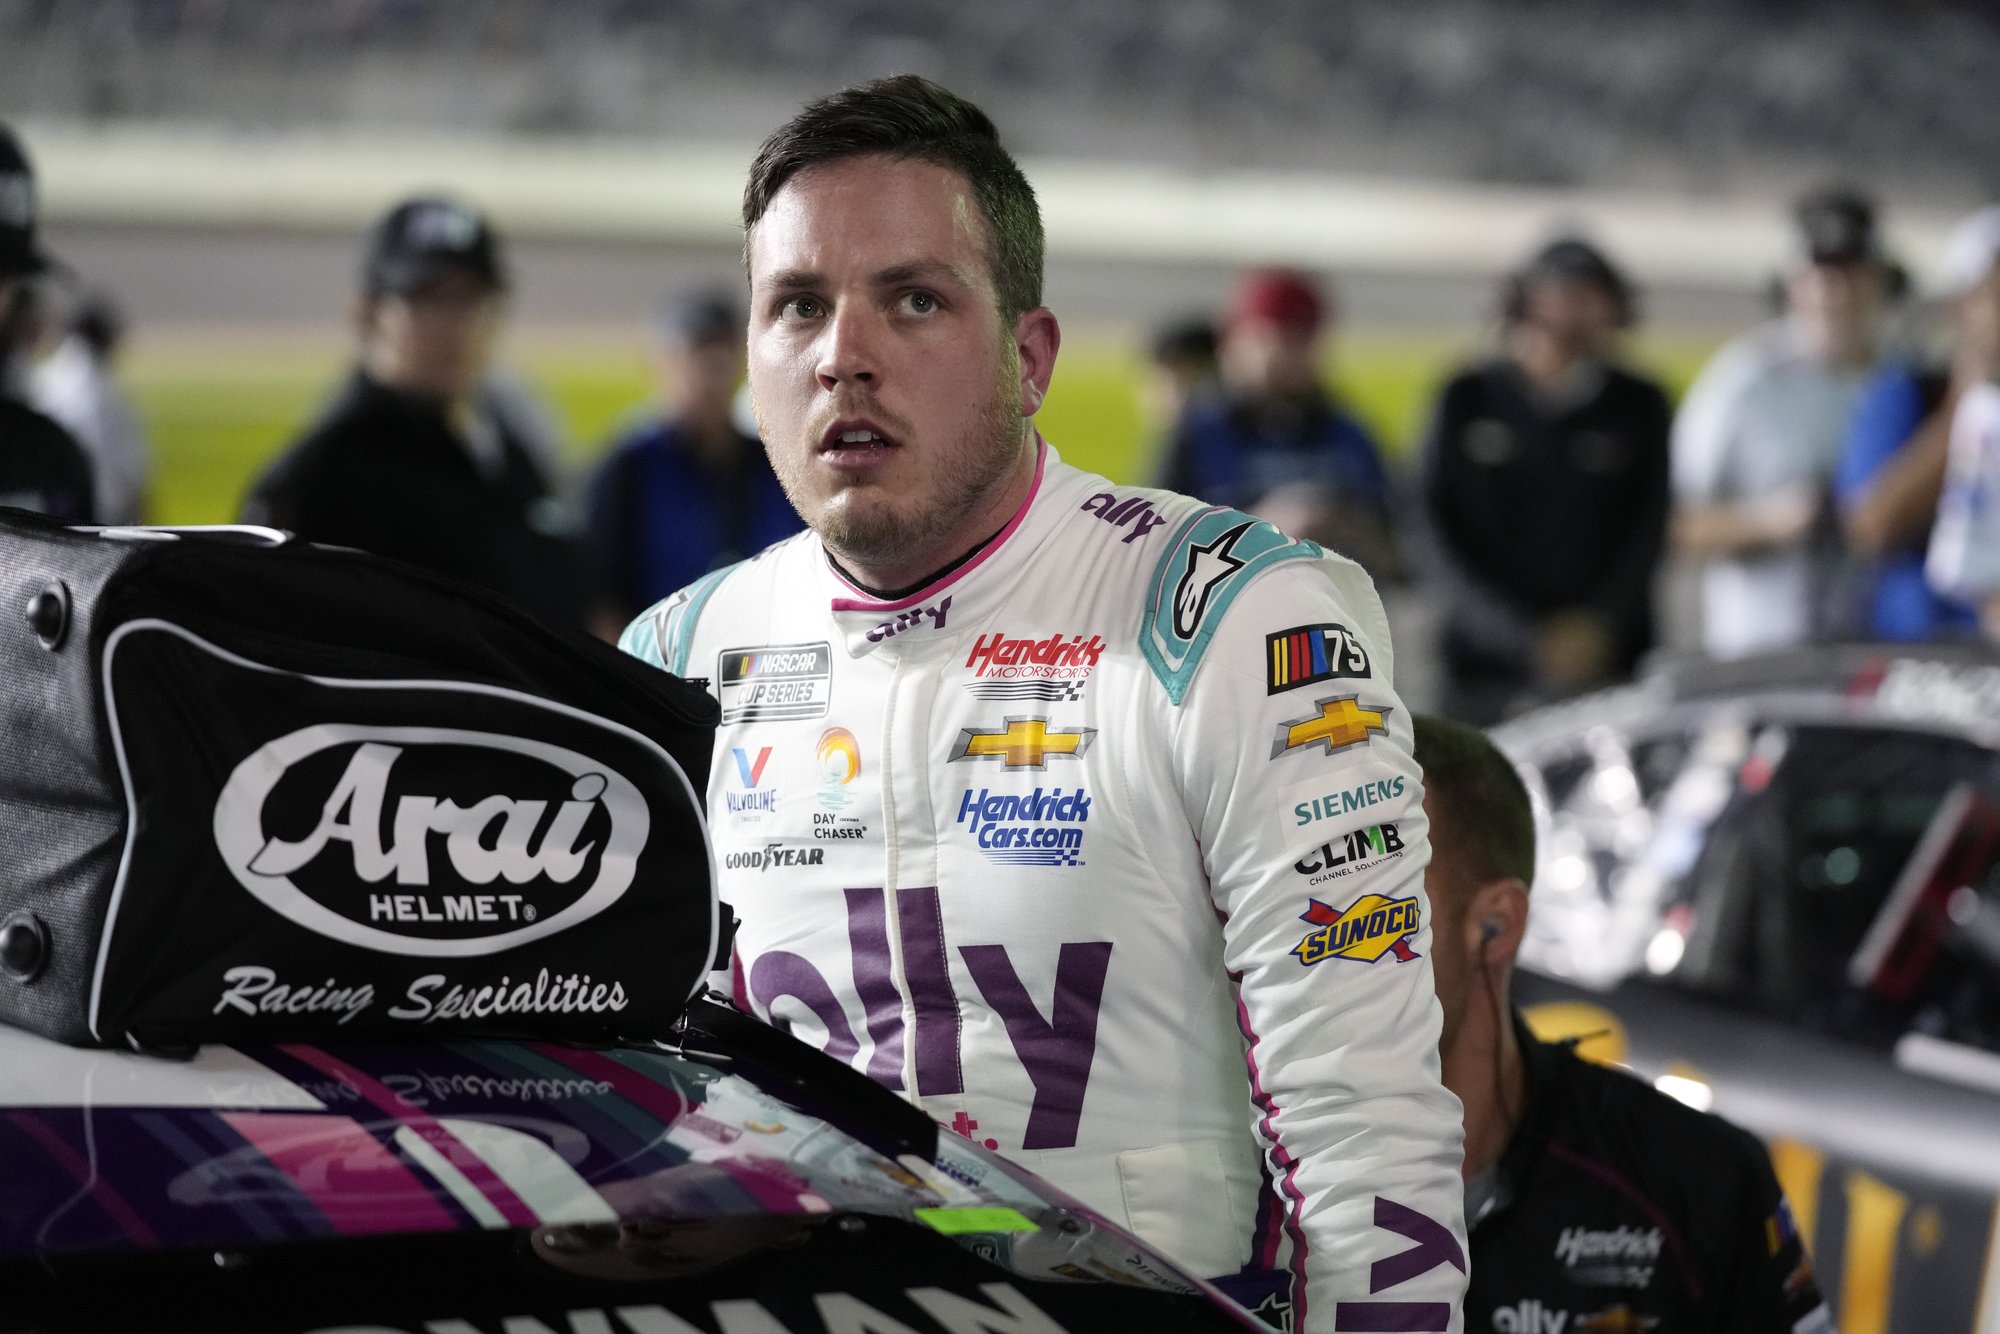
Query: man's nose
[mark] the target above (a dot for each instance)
(848, 349)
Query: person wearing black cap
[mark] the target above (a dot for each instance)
(1761, 429)
(1545, 484)
(413, 460)
(690, 490)
(41, 467)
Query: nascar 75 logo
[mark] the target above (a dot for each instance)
(1364, 931)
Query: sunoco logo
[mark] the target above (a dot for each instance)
(395, 839)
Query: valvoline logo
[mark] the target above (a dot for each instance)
(1364, 931)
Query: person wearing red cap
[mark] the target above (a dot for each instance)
(41, 467)
(1274, 442)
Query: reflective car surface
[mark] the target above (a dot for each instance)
(1773, 888)
(733, 1182)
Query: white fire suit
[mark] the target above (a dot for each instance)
(1107, 850)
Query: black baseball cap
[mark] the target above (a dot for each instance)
(1837, 225)
(701, 316)
(19, 255)
(423, 237)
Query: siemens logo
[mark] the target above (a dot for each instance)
(1348, 801)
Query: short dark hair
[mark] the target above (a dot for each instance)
(912, 118)
(1479, 799)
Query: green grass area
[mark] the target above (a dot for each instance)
(217, 414)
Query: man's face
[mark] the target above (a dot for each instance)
(1452, 965)
(1979, 318)
(1837, 303)
(1260, 357)
(437, 339)
(701, 375)
(1575, 311)
(890, 395)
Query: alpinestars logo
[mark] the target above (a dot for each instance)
(1052, 668)
(304, 834)
(1208, 568)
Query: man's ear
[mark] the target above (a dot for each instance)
(1498, 919)
(1037, 338)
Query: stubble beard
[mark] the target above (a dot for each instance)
(888, 530)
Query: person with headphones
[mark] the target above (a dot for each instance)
(1592, 1200)
(1545, 485)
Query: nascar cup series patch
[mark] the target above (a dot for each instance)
(1364, 931)
(1308, 654)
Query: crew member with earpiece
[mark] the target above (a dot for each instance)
(1593, 1202)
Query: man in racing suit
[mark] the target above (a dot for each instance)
(1082, 815)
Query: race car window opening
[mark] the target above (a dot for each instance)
(1797, 867)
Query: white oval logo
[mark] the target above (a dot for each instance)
(491, 848)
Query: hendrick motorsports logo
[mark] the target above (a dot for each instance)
(1364, 931)
(1052, 668)
(403, 845)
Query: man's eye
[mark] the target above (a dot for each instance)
(804, 308)
(920, 303)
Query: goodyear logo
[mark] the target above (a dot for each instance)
(1365, 930)
(1341, 722)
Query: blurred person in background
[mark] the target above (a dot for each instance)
(1274, 442)
(1893, 467)
(1587, 1192)
(688, 491)
(41, 467)
(1761, 429)
(1963, 561)
(77, 385)
(1545, 486)
(411, 460)
(1184, 367)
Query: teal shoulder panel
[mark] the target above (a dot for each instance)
(1213, 556)
(664, 633)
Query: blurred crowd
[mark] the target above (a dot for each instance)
(1831, 474)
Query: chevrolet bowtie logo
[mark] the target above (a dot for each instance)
(1025, 743)
(1341, 722)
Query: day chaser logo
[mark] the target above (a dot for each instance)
(1345, 855)
(1054, 668)
(774, 681)
(838, 762)
(1025, 829)
(1307, 654)
(557, 846)
(752, 803)
(1364, 931)
(1208, 567)
(1024, 743)
(1342, 722)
